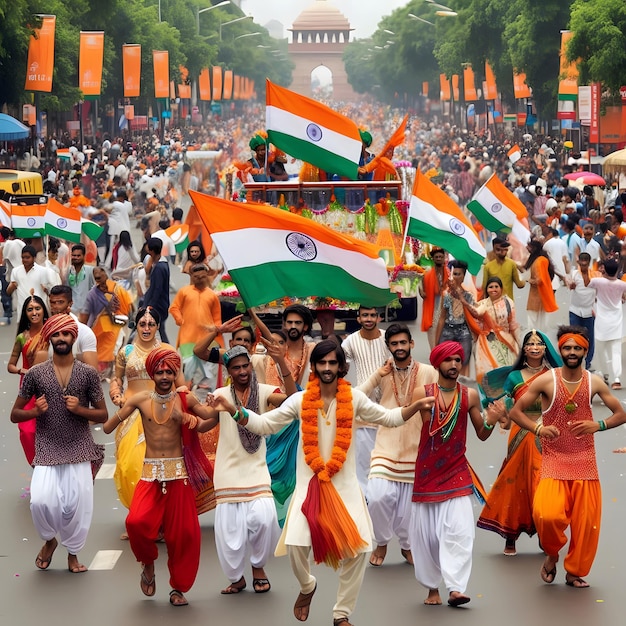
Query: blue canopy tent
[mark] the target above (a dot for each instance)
(11, 129)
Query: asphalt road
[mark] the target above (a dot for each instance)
(502, 589)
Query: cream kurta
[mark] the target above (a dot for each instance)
(296, 530)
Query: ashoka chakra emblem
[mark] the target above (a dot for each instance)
(496, 207)
(31, 221)
(301, 246)
(62, 222)
(457, 227)
(314, 132)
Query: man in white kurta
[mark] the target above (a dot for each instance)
(328, 364)
(392, 470)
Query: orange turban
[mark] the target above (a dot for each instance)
(162, 357)
(580, 340)
(57, 324)
(444, 351)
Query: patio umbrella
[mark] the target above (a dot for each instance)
(587, 178)
(11, 129)
(615, 162)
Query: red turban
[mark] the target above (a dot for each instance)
(444, 351)
(162, 357)
(57, 324)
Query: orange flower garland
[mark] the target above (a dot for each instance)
(334, 534)
(311, 403)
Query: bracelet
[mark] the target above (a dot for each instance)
(244, 413)
(603, 425)
(487, 425)
(538, 427)
(117, 414)
(285, 375)
(236, 416)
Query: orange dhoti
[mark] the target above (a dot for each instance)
(574, 503)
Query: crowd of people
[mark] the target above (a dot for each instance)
(262, 425)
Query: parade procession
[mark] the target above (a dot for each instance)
(315, 279)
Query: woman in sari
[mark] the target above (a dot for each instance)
(541, 300)
(508, 510)
(107, 306)
(27, 343)
(497, 344)
(130, 365)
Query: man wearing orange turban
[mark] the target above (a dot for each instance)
(568, 493)
(164, 499)
(68, 396)
(442, 520)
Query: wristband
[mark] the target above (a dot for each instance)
(285, 375)
(603, 425)
(538, 427)
(117, 414)
(486, 425)
(236, 416)
(244, 413)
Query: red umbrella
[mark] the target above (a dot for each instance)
(588, 178)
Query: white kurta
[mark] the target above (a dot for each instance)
(296, 530)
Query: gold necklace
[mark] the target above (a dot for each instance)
(163, 405)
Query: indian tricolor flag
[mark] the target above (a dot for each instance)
(271, 253)
(62, 221)
(436, 219)
(313, 132)
(495, 207)
(90, 229)
(5, 213)
(179, 234)
(63, 153)
(514, 154)
(28, 220)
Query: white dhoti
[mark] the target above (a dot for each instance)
(389, 505)
(61, 503)
(365, 440)
(351, 574)
(245, 530)
(442, 537)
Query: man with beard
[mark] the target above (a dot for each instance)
(80, 278)
(392, 471)
(164, 499)
(568, 493)
(246, 526)
(503, 267)
(441, 530)
(327, 513)
(297, 322)
(68, 396)
(366, 348)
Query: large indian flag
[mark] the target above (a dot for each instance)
(28, 220)
(495, 207)
(436, 219)
(271, 253)
(311, 131)
(63, 222)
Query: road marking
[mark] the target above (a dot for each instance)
(105, 559)
(106, 471)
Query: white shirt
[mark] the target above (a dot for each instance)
(609, 294)
(556, 249)
(119, 217)
(582, 298)
(592, 248)
(38, 278)
(169, 249)
(12, 253)
(85, 341)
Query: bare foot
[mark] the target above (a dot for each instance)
(148, 581)
(73, 564)
(456, 598)
(548, 569)
(408, 557)
(378, 556)
(433, 599)
(44, 558)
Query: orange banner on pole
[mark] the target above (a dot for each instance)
(444, 88)
(520, 88)
(90, 60)
(41, 56)
(455, 87)
(236, 87)
(184, 92)
(568, 72)
(228, 85)
(491, 89)
(161, 63)
(204, 85)
(425, 89)
(217, 82)
(131, 68)
(469, 87)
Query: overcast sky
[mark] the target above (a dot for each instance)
(363, 15)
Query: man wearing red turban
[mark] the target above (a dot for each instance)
(441, 531)
(68, 396)
(164, 499)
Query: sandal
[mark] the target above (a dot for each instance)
(234, 588)
(261, 585)
(576, 581)
(341, 620)
(174, 593)
(148, 585)
(303, 603)
(43, 562)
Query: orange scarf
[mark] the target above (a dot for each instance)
(334, 535)
(431, 290)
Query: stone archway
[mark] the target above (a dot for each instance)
(319, 37)
(322, 83)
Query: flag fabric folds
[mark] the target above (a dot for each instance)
(272, 253)
(311, 131)
(28, 220)
(90, 229)
(514, 154)
(62, 221)
(495, 207)
(179, 234)
(436, 219)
